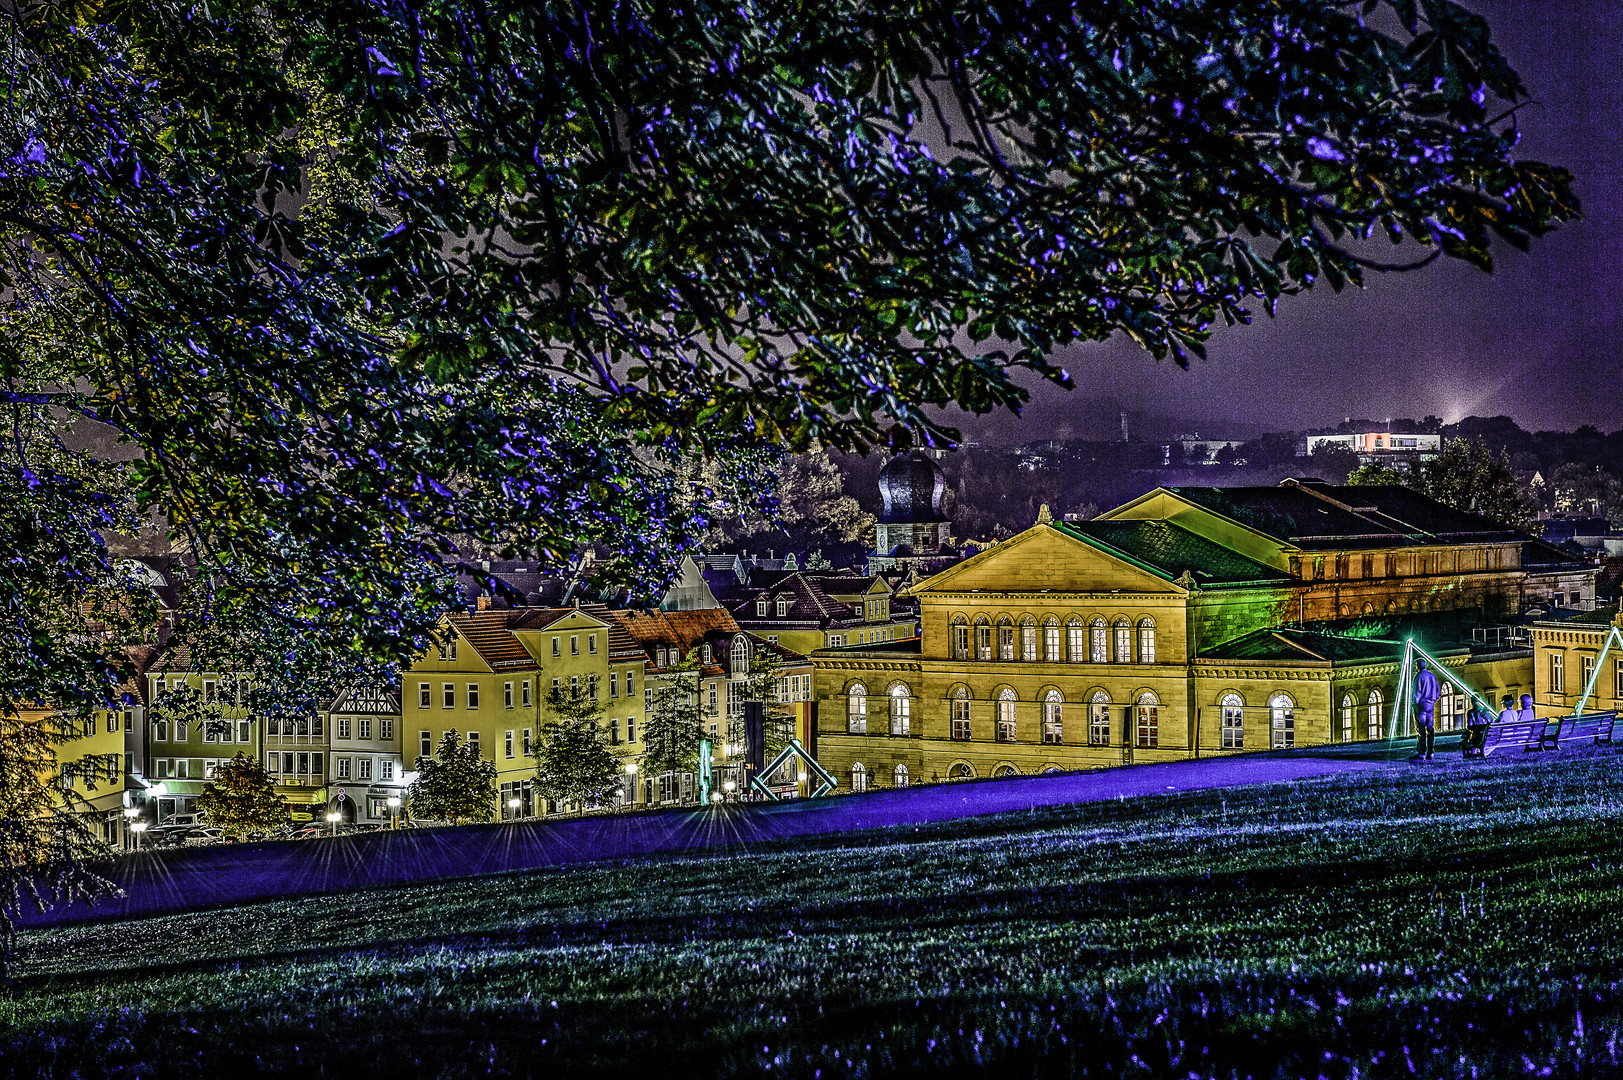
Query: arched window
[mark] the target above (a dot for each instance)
(741, 656)
(1051, 651)
(960, 713)
(960, 638)
(983, 639)
(1053, 717)
(1005, 715)
(1028, 639)
(1149, 721)
(1346, 718)
(1146, 641)
(1005, 639)
(961, 770)
(1099, 719)
(859, 777)
(1073, 632)
(1282, 710)
(856, 709)
(901, 710)
(901, 775)
(1376, 727)
(1005, 770)
(1233, 711)
(1098, 647)
(1124, 641)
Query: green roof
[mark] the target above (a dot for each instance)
(1171, 550)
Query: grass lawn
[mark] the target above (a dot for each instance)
(1435, 921)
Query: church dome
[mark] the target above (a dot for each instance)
(911, 488)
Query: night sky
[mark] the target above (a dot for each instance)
(1538, 340)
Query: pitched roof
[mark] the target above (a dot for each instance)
(1318, 516)
(1170, 551)
(681, 630)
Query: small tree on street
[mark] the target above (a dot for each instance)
(674, 726)
(242, 798)
(455, 784)
(572, 762)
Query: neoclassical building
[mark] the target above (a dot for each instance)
(1189, 622)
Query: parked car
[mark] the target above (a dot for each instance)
(200, 837)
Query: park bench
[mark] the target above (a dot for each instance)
(1528, 734)
(1596, 728)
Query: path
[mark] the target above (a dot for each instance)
(159, 882)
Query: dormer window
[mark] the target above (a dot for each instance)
(741, 656)
(707, 654)
(760, 608)
(783, 607)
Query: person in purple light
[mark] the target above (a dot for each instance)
(1426, 692)
(1476, 731)
(1526, 712)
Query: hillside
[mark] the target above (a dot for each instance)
(1444, 921)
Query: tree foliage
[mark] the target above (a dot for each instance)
(573, 765)
(1465, 475)
(455, 784)
(45, 838)
(351, 279)
(242, 799)
(673, 724)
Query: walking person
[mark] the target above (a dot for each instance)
(1426, 693)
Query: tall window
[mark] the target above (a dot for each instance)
(1005, 639)
(1282, 711)
(901, 775)
(1149, 721)
(856, 710)
(983, 639)
(1124, 641)
(1346, 718)
(1005, 715)
(1028, 639)
(859, 777)
(1099, 719)
(1051, 642)
(1053, 717)
(1097, 645)
(1617, 690)
(1073, 634)
(741, 656)
(1375, 726)
(960, 713)
(901, 710)
(1146, 641)
(1588, 672)
(1445, 709)
(1558, 675)
(960, 639)
(1232, 708)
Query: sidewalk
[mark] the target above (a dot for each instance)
(162, 882)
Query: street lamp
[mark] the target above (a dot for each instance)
(631, 782)
(513, 805)
(138, 828)
(334, 817)
(130, 814)
(394, 811)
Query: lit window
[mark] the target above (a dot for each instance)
(1375, 725)
(1051, 651)
(1075, 642)
(1053, 717)
(983, 639)
(1099, 719)
(960, 640)
(1028, 639)
(856, 709)
(1098, 652)
(1146, 641)
(1347, 710)
(960, 713)
(901, 710)
(901, 775)
(1149, 721)
(1005, 715)
(859, 777)
(1232, 707)
(1005, 639)
(1282, 711)
(1124, 642)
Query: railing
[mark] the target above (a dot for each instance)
(1503, 637)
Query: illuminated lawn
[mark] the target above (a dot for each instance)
(1414, 921)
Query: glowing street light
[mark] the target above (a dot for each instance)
(394, 811)
(513, 805)
(334, 818)
(138, 828)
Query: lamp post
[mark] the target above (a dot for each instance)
(631, 782)
(138, 828)
(130, 814)
(512, 806)
(394, 811)
(334, 819)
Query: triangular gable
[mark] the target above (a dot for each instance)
(1163, 505)
(1047, 559)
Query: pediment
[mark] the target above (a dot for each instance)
(1045, 559)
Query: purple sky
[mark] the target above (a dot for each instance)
(1537, 340)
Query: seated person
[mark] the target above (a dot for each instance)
(1476, 732)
